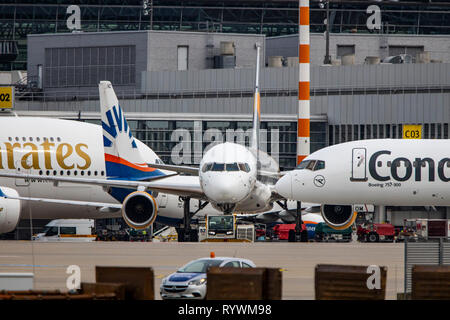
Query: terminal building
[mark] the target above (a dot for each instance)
(203, 83)
(186, 83)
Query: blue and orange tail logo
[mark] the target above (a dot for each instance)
(123, 158)
(109, 129)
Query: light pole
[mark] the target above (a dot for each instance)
(147, 6)
(327, 59)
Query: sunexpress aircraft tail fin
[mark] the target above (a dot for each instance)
(122, 156)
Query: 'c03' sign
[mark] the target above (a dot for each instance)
(6, 97)
(412, 131)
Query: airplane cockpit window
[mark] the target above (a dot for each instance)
(232, 167)
(319, 165)
(206, 167)
(244, 167)
(310, 165)
(218, 167)
(303, 165)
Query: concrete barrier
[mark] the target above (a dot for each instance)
(244, 284)
(430, 282)
(341, 282)
(139, 281)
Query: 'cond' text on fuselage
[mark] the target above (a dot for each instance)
(413, 168)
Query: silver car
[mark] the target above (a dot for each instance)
(189, 282)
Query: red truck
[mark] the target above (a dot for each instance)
(376, 232)
(281, 231)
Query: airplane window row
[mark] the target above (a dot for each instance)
(226, 167)
(35, 139)
(415, 164)
(312, 165)
(68, 173)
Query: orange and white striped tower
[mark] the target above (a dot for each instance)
(303, 136)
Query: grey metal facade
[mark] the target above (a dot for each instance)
(366, 45)
(74, 62)
(41, 46)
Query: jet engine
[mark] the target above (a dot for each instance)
(9, 210)
(139, 210)
(338, 217)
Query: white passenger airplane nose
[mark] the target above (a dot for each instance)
(284, 186)
(227, 190)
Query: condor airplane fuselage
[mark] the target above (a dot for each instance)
(380, 172)
(47, 147)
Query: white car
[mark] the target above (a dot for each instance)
(189, 282)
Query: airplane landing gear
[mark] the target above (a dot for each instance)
(185, 232)
(298, 234)
(227, 208)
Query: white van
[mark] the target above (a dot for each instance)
(67, 230)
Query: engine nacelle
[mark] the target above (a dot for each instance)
(338, 217)
(139, 210)
(9, 210)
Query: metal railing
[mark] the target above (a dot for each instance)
(436, 252)
(71, 96)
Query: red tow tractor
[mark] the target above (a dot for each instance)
(376, 232)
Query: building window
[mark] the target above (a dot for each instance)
(345, 50)
(413, 51)
(86, 66)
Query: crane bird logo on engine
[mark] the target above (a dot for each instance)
(319, 181)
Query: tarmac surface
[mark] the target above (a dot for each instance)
(49, 261)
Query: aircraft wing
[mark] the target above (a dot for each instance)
(107, 207)
(180, 169)
(187, 186)
(269, 174)
(275, 195)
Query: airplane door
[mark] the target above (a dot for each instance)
(359, 167)
(19, 181)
